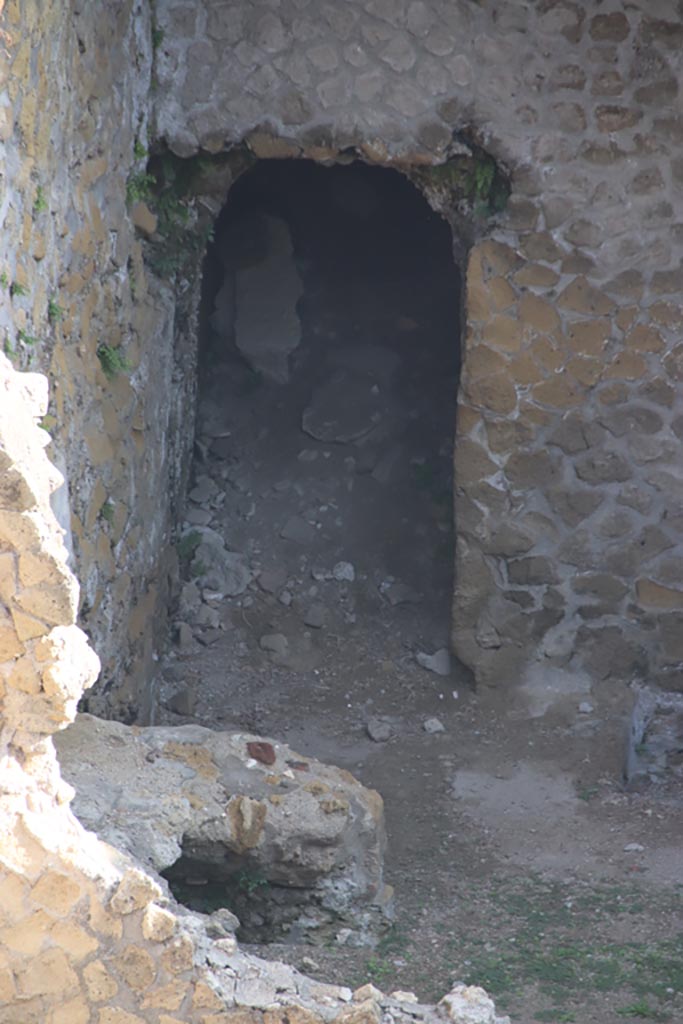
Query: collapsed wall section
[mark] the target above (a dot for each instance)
(293, 847)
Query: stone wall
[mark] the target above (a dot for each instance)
(568, 486)
(76, 301)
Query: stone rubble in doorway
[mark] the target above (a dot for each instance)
(276, 556)
(275, 642)
(332, 417)
(198, 517)
(298, 530)
(439, 662)
(215, 568)
(433, 726)
(203, 491)
(379, 730)
(469, 1004)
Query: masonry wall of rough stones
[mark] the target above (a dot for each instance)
(568, 485)
(74, 92)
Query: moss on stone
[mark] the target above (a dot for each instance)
(475, 182)
(184, 227)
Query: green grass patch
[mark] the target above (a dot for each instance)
(40, 202)
(547, 950)
(139, 187)
(48, 422)
(107, 512)
(112, 361)
(555, 1016)
(27, 339)
(643, 1011)
(553, 940)
(55, 313)
(186, 547)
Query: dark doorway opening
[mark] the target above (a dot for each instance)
(328, 375)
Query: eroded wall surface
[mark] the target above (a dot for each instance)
(569, 414)
(74, 293)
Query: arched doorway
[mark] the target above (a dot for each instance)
(328, 375)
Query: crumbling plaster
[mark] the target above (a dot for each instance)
(75, 99)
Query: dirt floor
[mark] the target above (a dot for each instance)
(519, 860)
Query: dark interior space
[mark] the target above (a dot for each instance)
(318, 535)
(370, 252)
(372, 303)
(267, 910)
(328, 377)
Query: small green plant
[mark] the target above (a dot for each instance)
(54, 311)
(27, 339)
(48, 422)
(187, 545)
(139, 151)
(112, 361)
(183, 230)
(476, 180)
(40, 202)
(4, 280)
(643, 1010)
(484, 172)
(377, 969)
(139, 186)
(16, 290)
(157, 37)
(107, 512)
(250, 883)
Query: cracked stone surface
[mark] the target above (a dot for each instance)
(243, 813)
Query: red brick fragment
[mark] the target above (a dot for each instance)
(263, 752)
